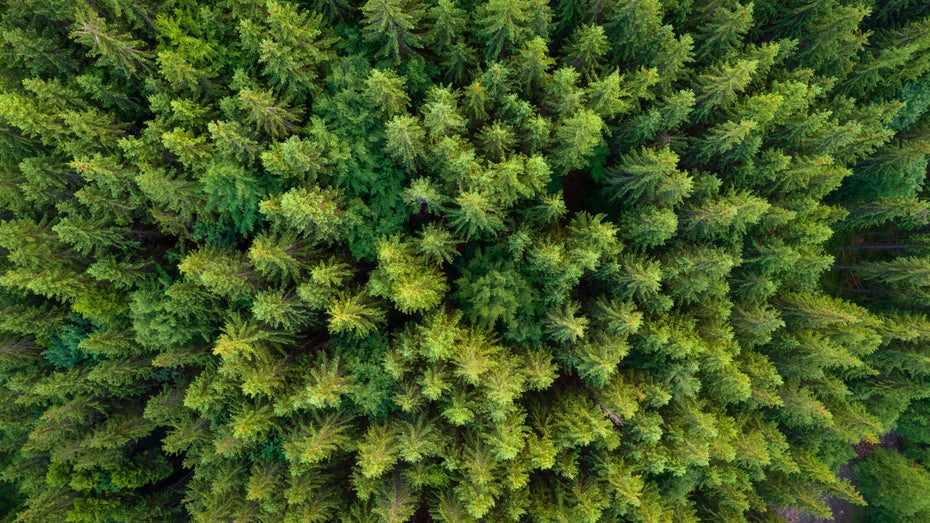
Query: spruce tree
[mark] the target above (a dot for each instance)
(461, 261)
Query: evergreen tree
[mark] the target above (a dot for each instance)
(391, 24)
(463, 261)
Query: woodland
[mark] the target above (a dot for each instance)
(464, 260)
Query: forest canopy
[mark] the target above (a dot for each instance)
(463, 260)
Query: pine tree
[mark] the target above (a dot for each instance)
(907, 272)
(895, 503)
(405, 140)
(263, 110)
(385, 90)
(464, 261)
(392, 23)
(651, 176)
(577, 138)
(113, 49)
(290, 44)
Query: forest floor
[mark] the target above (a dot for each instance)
(844, 511)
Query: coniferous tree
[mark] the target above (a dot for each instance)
(463, 261)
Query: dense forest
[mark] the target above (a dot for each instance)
(464, 260)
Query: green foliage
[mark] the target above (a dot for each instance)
(391, 24)
(503, 260)
(412, 286)
(892, 484)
